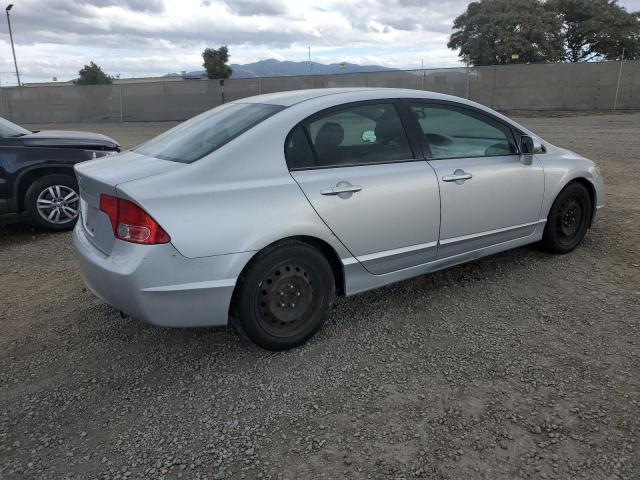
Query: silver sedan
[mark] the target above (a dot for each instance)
(261, 211)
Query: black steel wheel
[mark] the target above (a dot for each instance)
(568, 219)
(284, 296)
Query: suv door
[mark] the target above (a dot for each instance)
(9, 163)
(489, 195)
(357, 168)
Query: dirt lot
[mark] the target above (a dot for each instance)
(522, 365)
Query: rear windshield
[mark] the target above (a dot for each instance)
(205, 133)
(8, 129)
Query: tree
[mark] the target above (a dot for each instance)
(507, 31)
(597, 29)
(215, 62)
(92, 74)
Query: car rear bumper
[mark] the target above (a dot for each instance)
(156, 284)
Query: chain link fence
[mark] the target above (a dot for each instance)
(573, 87)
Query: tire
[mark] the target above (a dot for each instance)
(50, 202)
(284, 296)
(568, 219)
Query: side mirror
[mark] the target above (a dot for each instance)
(369, 136)
(530, 146)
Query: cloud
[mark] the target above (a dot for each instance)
(257, 7)
(151, 37)
(406, 15)
(152, 6)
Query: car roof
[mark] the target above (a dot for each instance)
(293, 97)
(336, 96)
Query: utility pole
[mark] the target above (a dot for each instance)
(615, 100)
(310, 66)
(12, 47)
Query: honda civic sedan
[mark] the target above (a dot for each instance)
(261, 211)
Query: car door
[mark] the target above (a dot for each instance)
(355, 165)
(9, 163)
(4, 177)
(489, 192)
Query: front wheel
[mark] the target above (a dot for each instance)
(285, 295)
(568, 219)
(52, 202)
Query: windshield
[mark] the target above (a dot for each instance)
(207, 132)
(8, 129)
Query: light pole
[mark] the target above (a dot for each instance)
(15, 62)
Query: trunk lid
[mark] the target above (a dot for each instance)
(103, 175)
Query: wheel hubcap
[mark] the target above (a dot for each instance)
(58, 204)
(569, 218)
(285, 297)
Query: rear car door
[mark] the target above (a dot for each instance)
(356, 166)
(489, 192)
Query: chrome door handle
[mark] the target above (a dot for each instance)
(457, 176)
(338, 189)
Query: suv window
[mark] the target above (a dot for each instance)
(353, 135)
(452, 132)
(8, 129)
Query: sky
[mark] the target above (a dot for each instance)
(137, 38)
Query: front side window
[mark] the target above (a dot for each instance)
(452, 132)
(201, 135)
(353, 135)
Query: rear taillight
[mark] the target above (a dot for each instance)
(130, 222)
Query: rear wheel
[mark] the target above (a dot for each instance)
(284, 296)
(568, 219)
(52, 202)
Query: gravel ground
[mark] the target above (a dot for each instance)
(521, 365)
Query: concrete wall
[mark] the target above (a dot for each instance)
(584, 86)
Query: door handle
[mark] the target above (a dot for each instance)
(457, 176)
(338, 189)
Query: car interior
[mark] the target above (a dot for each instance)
(339, 139)
(374, 134)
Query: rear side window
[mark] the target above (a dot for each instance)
(349, 136)
(452, 132)
(201, 135)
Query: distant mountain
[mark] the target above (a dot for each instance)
(276, 68)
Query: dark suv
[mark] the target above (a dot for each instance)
(36, 173)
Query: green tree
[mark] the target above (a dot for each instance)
(597, 29)
(92, 74)
(215, 62)
(507, 31)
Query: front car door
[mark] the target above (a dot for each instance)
(490, 194)
(356, 166)
(10, 149)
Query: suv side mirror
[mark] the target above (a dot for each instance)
(530, 146)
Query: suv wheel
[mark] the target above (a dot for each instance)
(53, 203)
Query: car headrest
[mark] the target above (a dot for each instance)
(389, 129)
(330, 135)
